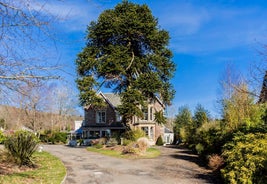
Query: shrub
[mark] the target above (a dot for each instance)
(112, 142)
(246, 159)
(184, 134)
(54, 137)
(126, 142)
(211, 139)
(199, 148)
(133, 135)
(142, 144)
(60, 137)
(2, 137)
(21, 145)
(6, 157)
(98, 146)
(159, 141)
(215, 162)
(130, 149)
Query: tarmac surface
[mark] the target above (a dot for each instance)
(173, 166)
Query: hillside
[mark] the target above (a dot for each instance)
(14, 118)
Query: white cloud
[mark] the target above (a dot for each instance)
(194, 28)
(183, 19)
(205, 28)
(71, 15)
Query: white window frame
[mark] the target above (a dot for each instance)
(99, 117)
(145, 112)
(118, 117)
(151, 114)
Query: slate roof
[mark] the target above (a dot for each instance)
(113, 99)
(166, 130)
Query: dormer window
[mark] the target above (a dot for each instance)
(101, 117)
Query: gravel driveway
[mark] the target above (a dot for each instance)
(174, 166)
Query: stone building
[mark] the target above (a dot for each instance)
(107, 121)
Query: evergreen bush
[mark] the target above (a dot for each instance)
(54, 137)
(126, 142)
(246, 159)
(199, 148)
(21, 145)
(2, 137)
(159, 141)
(134, 135)
(60, 137)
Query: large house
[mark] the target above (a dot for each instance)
(99, 122)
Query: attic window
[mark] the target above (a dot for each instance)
(101, 117)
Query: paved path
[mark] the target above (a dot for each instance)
(174, 166)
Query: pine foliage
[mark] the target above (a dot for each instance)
(127, 52)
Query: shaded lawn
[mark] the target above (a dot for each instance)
(49, 170)
(150, 153)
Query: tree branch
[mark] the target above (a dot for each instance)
(244, 91)
(28, 77)
(128, 67)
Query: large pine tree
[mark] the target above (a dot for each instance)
(128, 52)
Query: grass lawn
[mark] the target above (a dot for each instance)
(150, 153)
(49, 170)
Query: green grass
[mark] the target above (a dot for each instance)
(150, 153)
(50, 170)
(105, 152)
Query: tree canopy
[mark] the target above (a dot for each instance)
(128, 52)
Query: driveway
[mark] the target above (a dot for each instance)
(174, 166)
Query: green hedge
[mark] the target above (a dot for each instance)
(246, 159)
(54, 137)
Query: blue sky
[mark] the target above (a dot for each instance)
(205, 37)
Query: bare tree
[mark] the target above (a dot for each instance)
(257, 72)
(263, 94)
(230, 78)
(62, 101)
(44, 106)
(32, 101)
(24, 31)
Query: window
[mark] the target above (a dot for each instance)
(101, 117)
(103, 133)
(145, 129)
(118, 117)
(151, 113)
(91, 134)
(151, 136)
(145, 113)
